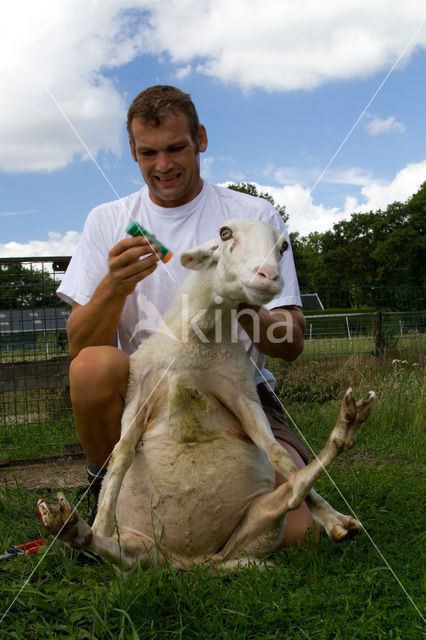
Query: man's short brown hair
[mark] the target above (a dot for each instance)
(155, 103)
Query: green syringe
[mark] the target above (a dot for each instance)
(135, 229)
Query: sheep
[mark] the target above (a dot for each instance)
(180, 487)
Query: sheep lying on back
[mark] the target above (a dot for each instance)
(184, 482)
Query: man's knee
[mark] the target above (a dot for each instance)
(104, 369)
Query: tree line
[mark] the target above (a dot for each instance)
(377, 248)
(26, 288)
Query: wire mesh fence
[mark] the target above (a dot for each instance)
(35, 409)
(347, 329)
(354, 334)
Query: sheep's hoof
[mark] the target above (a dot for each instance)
(352, 415)
(346, 529)
(63, 522)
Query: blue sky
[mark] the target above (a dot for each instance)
(278, 85)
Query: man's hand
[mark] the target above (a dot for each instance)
(278, 333)
(128, 266)
(130, 261)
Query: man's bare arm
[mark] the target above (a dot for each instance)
(281, 330)
(96, 322)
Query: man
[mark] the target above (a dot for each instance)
(114, 281)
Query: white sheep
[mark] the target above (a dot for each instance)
(180, 486)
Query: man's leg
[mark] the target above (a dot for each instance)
(98, 384)
(299, 523)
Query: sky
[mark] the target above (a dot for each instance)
(320, 103)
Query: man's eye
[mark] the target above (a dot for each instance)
(146, 154)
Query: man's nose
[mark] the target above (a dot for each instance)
(164, 162)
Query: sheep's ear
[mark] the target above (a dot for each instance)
(201, 257)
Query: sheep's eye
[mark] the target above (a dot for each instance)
(284, 247)
(225, 233)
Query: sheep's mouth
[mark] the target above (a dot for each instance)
(265, 292)
(264, 285)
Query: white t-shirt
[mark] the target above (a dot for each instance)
(179, 229)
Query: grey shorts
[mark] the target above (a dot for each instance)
(279, 426)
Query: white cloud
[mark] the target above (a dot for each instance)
(206, 165)
(282, 45)
(378, 194)
(376, 126)
(305, 216)
(354, 175)
(53, 57)
(183, 72)
(55, 245)
(69, 47)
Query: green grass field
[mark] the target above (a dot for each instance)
(369, 588)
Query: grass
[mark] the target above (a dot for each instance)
(318, 379)
(410, 343)
(45, 438)
(318, 592)
(35, 423)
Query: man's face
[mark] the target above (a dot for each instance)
(168, 158)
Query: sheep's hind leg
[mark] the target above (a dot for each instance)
(64, 522)
(262, 526)
(338, 526)
(259, 533)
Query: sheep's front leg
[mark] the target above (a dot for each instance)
(251, 415)
(63, 520)
(256, 425)
(132, 427)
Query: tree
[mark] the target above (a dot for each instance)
(401, 250)
(378, 248)
(251, 189)
(307, 258)
(382, 247)
(372, 249)
(22, 288)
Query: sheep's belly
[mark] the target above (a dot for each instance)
(191, 497)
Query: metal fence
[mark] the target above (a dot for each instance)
(374, 324)
(35, 408)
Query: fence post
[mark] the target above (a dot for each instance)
(378, 346)
(347, 327)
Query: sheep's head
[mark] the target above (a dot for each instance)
(245, 259)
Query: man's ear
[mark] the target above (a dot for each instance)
(202, 138)
(201, 257)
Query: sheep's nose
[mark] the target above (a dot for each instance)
(270, 273)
